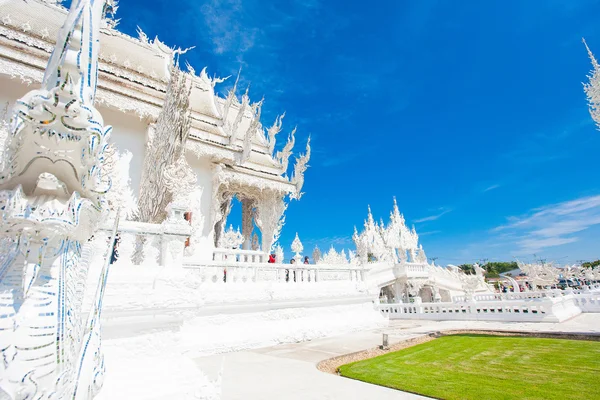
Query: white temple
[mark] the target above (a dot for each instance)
(210, 148)
(115, 159)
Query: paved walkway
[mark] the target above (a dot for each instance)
(289, 371)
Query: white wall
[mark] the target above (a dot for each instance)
(203, 169)
(129, 133)
(11, 90)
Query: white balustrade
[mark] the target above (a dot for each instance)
(550, 306)
(239, 255)
(231, 270)
(411, 270)
(163, 243)
(531, 310)
(588, 302)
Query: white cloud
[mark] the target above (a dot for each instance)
(224, 21)
(492, 187)
(552, 225)
(429, 233)
(432, 217)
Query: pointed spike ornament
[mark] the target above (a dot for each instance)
(231, 97)
(299, 170)
(284, 156)
(233, 133)
(592, 88)
(273, 131)
(252, 130)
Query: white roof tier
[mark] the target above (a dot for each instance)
(133, 73)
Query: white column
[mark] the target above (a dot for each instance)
(398, 291)
(247, 223)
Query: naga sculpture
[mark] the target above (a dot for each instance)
(51, 200)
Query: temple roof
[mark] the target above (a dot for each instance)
(133, 73)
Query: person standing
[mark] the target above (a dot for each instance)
(293, 261)
(114, 255)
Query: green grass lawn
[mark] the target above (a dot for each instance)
(488, 367)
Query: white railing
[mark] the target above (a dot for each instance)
(588, 302)
(509, 296)
(149, 244)
(240, 272)
(411, 270)
(532, 310)
(239, 255)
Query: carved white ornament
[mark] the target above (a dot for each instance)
(121, 196)
(164, 163)
(299, 169)
(540, 274)
(273, 131)
(231, 239)
(283, 156)
(332, 257)
(51, 193)
(279, 255)
(592, 88)
(394, 242)
(297, 247)
(316, 255)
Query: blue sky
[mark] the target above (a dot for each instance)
(471, 113)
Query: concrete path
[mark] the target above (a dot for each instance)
(289, 371)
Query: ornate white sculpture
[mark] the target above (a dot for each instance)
(279, 256)
(231, 97)
(4, 133)
(197, 220)
(283, 156)
(540, 274)
(251, 132)
(233, 129)
(414, 287)
(270, 218)
(180, 180)
(255, 242)
(332, 257)
(299, 169)
(592, 89)
(231, 239)
(389, 243)
(420, 256)
(172, 247)
(470, 283)
(362, 246)
(51, 199)
(316, 255)
(120, 197)
(165, 150)
(297, 248)
(273, 131)
(354, 260)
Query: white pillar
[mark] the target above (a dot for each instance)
(247, 223)
(398, 291)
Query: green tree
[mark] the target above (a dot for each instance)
(494, 269)
(468, 268)
(591, 264)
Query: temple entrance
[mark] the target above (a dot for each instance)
(239, 212)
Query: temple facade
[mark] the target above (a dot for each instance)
(175, 139)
